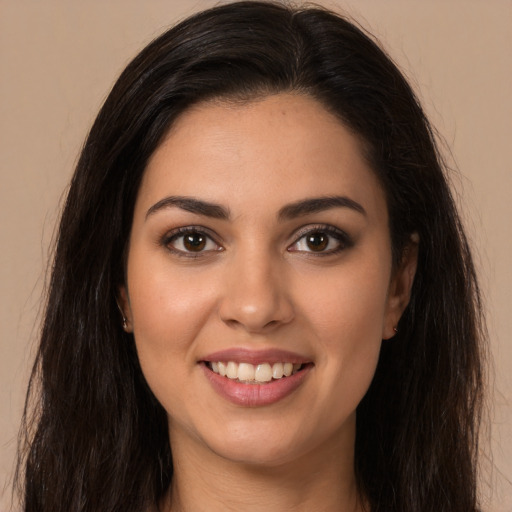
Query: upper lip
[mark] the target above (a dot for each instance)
(244, 355)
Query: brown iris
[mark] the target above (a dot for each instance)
(194, 242)
(317, 241)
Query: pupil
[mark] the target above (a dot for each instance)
(317, 241)
(194, 242)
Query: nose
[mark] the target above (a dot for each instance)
(256, 297)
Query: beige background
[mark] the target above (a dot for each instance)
(58, 60)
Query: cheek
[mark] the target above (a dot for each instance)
(350, 336)
(349, 305)
(168, 310)
(167, 306)
(347, 313)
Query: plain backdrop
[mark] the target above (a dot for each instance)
(58, 60)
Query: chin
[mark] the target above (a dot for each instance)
(258, 447)
(257, 455)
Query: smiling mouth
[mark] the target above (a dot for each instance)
(248, 373)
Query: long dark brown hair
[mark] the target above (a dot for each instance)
(94, 437)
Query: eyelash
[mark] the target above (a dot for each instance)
(343, 240)
(178, 233)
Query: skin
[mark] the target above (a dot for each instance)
(257, 284)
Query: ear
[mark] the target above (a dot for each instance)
(400, 287)
(123, 303)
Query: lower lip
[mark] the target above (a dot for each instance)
(255, 395)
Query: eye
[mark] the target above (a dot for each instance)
(190, 241)
(321, 240)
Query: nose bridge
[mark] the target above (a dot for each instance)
(255, 295)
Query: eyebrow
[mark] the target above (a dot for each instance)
(288, 212)
(318, 204)
(191, 204)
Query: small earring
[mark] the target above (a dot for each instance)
(125, 322)
(395, 329)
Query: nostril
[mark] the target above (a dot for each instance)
(255, 301)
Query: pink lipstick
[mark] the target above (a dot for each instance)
(267, 375)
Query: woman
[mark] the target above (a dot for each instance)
(258, 247)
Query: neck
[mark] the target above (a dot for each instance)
(322, 480)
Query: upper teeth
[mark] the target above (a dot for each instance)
(247, 372)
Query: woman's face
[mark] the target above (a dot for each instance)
(259, 246)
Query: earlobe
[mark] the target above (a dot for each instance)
(400, 287)
(123, 305)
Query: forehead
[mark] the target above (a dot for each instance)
(268, 152)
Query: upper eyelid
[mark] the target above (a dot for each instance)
(294, 238)
(344, 240)
(183, 230)
(308, 228)
(176, 233)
